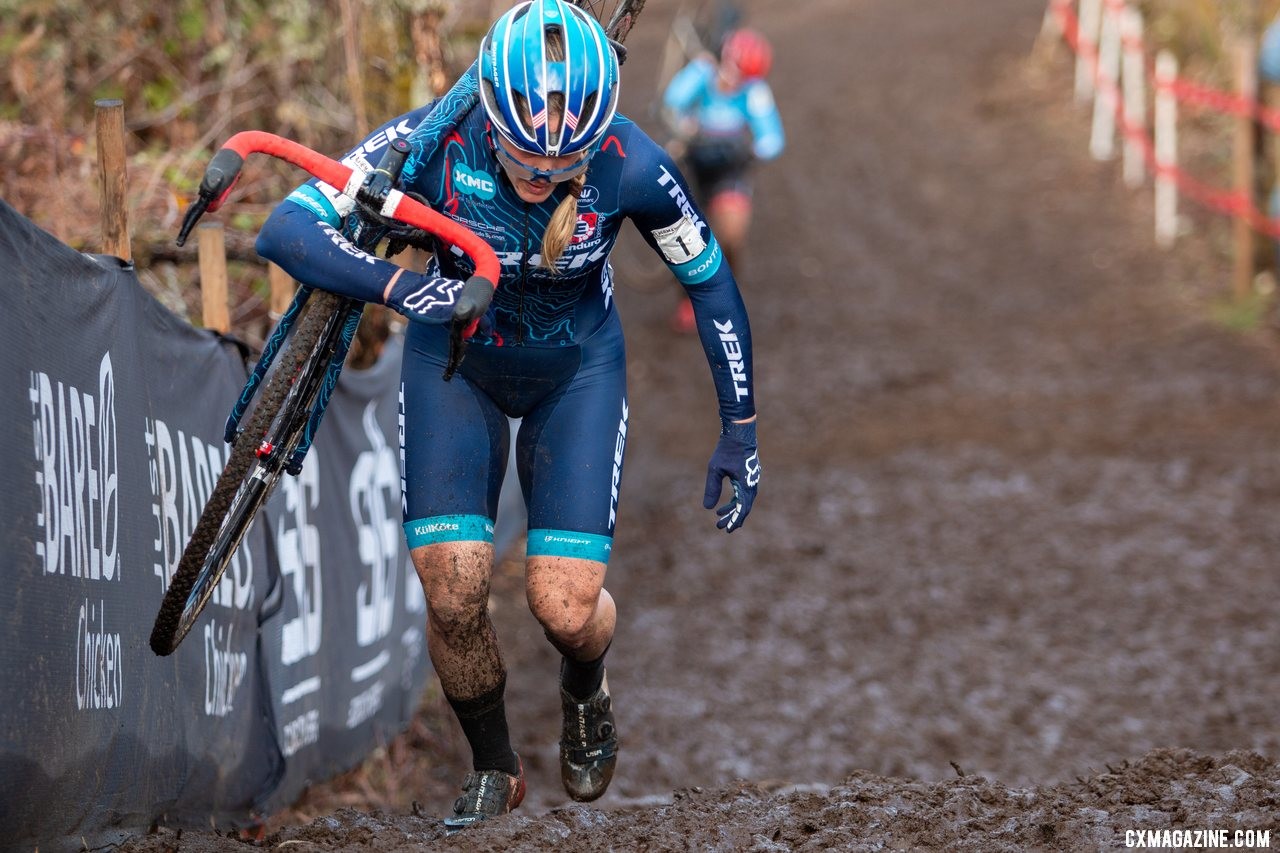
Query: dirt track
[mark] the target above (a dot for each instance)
(1017, 518)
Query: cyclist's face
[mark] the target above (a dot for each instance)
(533, 184)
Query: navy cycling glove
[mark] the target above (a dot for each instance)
(426, 299)
(735, 457)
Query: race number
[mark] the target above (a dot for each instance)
(681, 241)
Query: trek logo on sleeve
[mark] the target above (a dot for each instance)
(344, 244)
(733, 352)
(677, 193)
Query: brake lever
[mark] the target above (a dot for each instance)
(215, 186)
(457, 347)
(473, 302)
(194, 212)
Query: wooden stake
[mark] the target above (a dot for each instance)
(355, 83)
(109, 116)
(281, 290)
(1244, 154)
(213, 277)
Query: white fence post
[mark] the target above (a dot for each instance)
(1166, 144)
(1087, 48)
(1135, 96)
(1102, 142)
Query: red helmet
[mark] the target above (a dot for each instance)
(749, 52)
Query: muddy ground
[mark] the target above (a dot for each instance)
(1011, 582)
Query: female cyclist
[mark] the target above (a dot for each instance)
(546, 171)
(724, 116)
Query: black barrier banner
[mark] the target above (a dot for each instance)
(111, 446)
(311, 652)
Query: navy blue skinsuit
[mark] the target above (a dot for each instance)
(554, 356)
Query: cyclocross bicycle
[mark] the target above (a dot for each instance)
(274, 421)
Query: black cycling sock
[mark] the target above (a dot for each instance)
(484, 723)
(580, 679)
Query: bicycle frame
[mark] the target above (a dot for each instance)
(221, 176)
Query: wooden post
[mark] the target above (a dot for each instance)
(430, 76)
(1102, 142)
(1166, 144)
(109, 117)
(355, 83)
(1087, 48)
(213, 277)
(1134, 77)
(281, 290)
(1244, 154)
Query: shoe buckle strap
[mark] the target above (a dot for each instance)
(593, 752)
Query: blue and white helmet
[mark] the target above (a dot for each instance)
(536, 49)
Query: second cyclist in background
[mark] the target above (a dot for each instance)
(724, 118)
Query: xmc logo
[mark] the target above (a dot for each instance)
(479, 183)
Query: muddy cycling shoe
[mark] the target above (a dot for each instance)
(486, 794)
(589, 744)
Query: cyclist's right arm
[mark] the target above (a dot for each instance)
(304, 236)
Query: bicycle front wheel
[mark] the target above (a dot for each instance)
(258, 458)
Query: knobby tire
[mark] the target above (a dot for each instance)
(240, 490)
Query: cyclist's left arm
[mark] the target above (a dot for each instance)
(661, 204)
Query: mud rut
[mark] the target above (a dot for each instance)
(1018, 514)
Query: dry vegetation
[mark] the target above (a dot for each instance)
(192, 72)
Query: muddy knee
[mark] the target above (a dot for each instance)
(455, 579)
